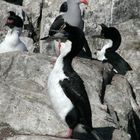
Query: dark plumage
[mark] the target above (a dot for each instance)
(14, 20)
(113, 34)
(63, 7)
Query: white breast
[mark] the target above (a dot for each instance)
(61, 103)
(12, 42)
(101, 53)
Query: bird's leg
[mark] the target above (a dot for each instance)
(53, 60)
(59, 46)
(69, 133)
(57, 49)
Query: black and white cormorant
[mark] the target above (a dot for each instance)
(12, 41)
(66, 88)
(108, 52)
(71, 16)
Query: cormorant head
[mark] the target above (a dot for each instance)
(76, 36)
(78, 1)
(63, 7)
(110, 33)
(84, 2)
(14, 20)
(71, 34)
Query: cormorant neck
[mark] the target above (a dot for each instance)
(15, 30)
(117, 42)
(67, 61)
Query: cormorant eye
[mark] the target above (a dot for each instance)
(95, 53)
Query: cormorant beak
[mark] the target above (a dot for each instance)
(103, 25)
(49, 38)
(44, 38)
(84, 1)
(9, 22)
(57, 36)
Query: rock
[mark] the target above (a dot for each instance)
(111, 12)
(118, 99)
(122, 10)
(120, 135)
(132, 54)
(6, 131)
(33, 10)
(23, 105)
(34, 138)
(134, 80)
(48, 16)
(129, 30)
(29, 43)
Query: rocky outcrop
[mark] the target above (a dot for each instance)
(25, 109)
(25, 105)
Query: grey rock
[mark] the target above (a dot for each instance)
(118, 97)
(112, 12)
(120, 135)
(35, 138)
(134, 80)
(33, 10)
(28, 43)
(123, 11)
(24, 106)
(48, 16)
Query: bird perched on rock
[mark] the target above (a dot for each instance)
(70, 12)
(66, 88)
(86, 52)
(108, 52)
(12, 40)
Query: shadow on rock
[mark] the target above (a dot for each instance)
(104, 132)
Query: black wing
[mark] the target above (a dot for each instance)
(75, 91)
(85, 52)
(56, 25)
(118, 63)
(81, 26)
